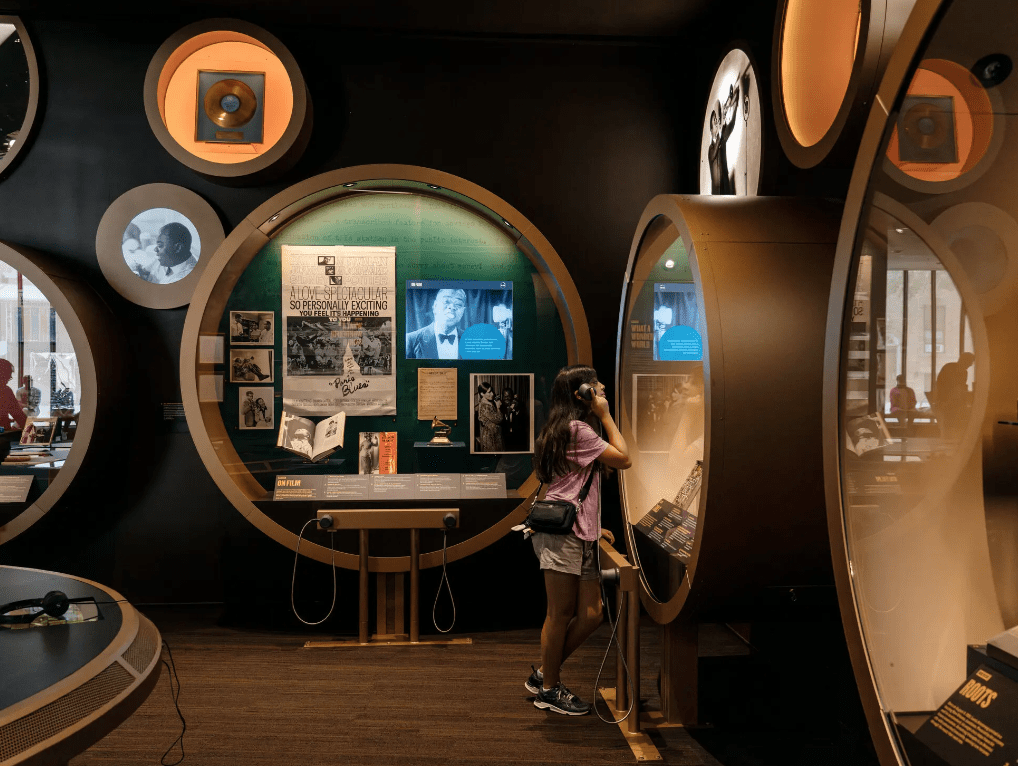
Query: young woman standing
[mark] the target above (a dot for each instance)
(565, 453)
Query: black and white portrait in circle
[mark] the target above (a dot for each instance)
(732, 130)
(255, 408)
(252, 328)
(319, 346)
(251, 365)
(161, 246)
(502, 411)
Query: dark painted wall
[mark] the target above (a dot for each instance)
(576, 134)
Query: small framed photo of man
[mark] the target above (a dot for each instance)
(161, 246)
(866, 434)
(502, 417)
(252, 328)
(255, 410)
(251, 365)
(38, 432)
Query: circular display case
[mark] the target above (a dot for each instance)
(443, 229)
(70, 347)
(19, 90)
(921, 386)
(227, 99)
(732, 139)
(720, 364)
(828, 57)
(154, 242)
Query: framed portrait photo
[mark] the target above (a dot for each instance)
(251, 365)
(502, 415)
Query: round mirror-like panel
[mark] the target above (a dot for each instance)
(329, 298)
(732, 137)
(60, 375)
(154, 242)
(19, 89)
(922, 381)
(227, 99)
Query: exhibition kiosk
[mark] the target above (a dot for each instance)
(324, 303)
(719, 384)
(920, 393)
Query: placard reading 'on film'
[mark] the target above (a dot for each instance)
(978, 724)
(406, 486)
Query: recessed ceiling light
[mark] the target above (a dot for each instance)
(669, 264)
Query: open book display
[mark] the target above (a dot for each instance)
(38, 432)
(314, 442)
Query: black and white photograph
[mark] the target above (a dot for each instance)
(367, 452)
(460, 319)
(252, 328)
(866, 434)
(255, 407)
(317, 346)
(251, 365)
(502, 419)
(327, 260)
(732, 130)
(662, 404)
(161, 246)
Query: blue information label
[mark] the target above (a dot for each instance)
(482, 341)
(680, 344)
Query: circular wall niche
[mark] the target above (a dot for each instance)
(19, 84)
(444, 228)
(227, 99)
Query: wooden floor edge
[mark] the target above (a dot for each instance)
(354, 643)
(639, 742)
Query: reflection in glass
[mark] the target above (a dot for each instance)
(662, 407)
(14, 88)
(161, 246)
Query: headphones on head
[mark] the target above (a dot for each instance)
(586, 392)
(54, 604)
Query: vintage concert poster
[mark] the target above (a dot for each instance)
(339, 306)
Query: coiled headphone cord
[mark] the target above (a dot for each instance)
(445, 579)
(293, 580)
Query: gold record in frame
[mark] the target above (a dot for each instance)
(246, 100)
(132, 256)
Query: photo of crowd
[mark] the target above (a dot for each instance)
(318, 346)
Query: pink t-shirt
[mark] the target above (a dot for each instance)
(586, 447)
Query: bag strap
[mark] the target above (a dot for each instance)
(583, 492)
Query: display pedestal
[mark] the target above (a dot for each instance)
(389, 620)
(434, 458)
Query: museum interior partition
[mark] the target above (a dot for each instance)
(920, 400)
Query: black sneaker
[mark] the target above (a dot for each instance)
(535, 681)
(561, 700)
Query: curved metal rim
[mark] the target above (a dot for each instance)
(123, 210)
(860, 82)
(248, 239)
(666, 206)
(892, 88)
(34, 88)
(288, 143)
(89, 382)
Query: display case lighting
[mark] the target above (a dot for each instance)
(669, 264)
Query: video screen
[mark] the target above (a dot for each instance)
(459, 319)
(676, 319)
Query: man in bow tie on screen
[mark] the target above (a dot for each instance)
(173, 251)
(441, 338)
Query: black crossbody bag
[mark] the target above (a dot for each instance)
(556, 517)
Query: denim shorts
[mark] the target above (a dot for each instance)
(566, 553)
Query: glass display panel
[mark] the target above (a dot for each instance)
(928, 384)
(447, 248)
(40, 387)
(661, 406)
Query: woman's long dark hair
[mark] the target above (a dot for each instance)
(552, 444)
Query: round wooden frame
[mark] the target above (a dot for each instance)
(110, 234)
(880, 25)
(792, 243)
(34, 88)
(861, 196)
(279, 157)
(94, 337)
(243, 244)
